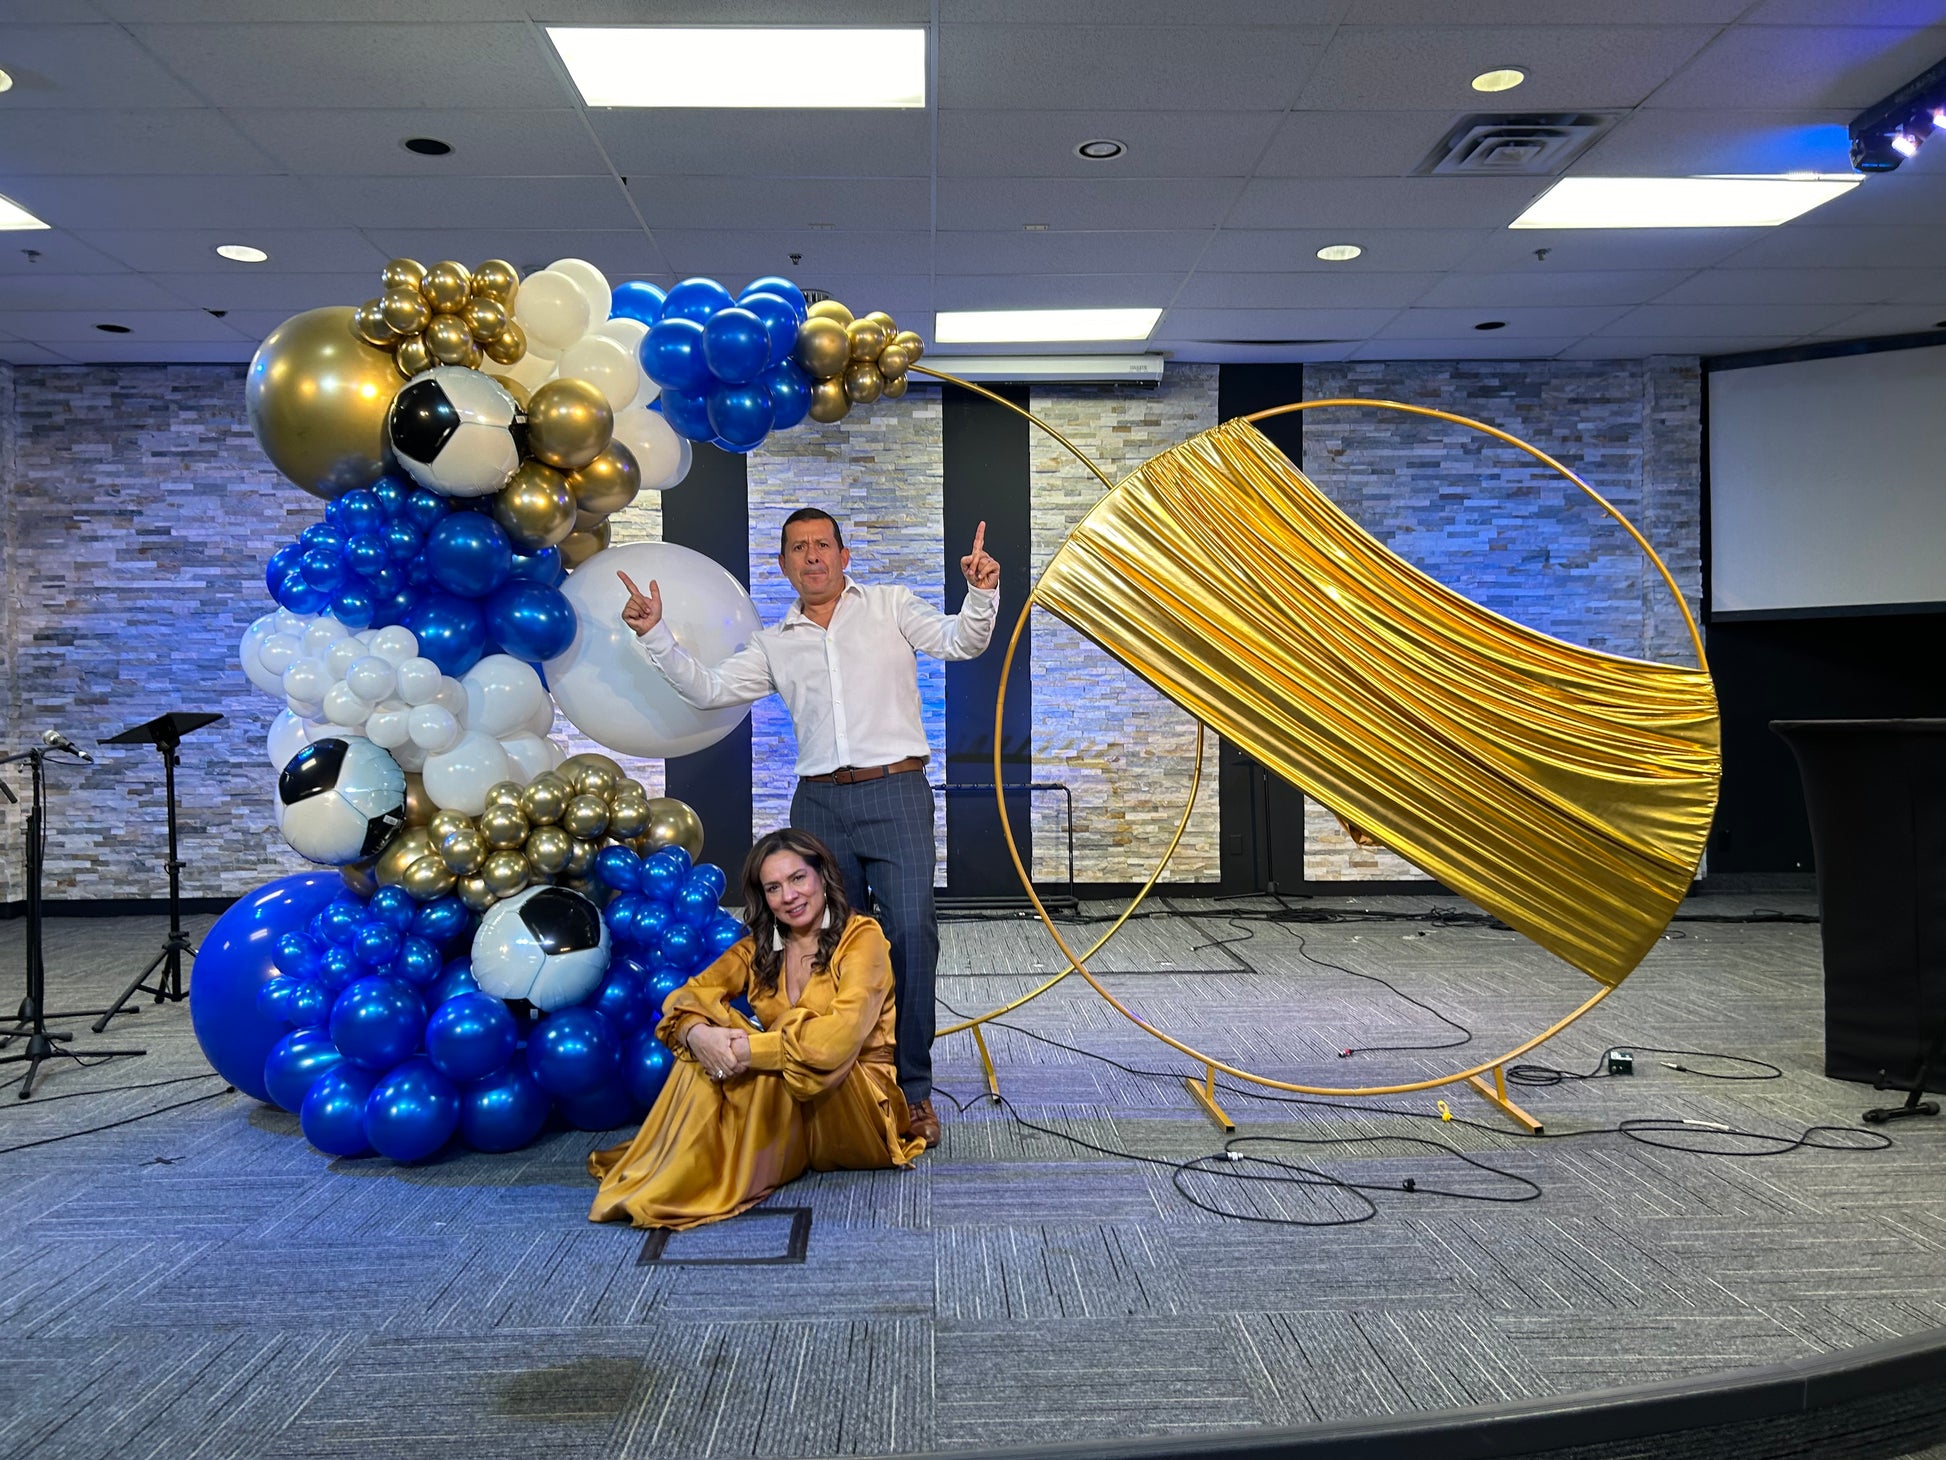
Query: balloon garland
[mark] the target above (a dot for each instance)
(502, 920)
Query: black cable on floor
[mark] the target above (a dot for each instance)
(1547, 1075)
(116, 1124)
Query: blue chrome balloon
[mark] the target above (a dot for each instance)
(681, 945)
(366, 553)
(323, 567)
(298, 955)
(393, 906)
(736, 344)
(687, 413)
(309, 1005)
(296, 1063)
(471, 1036)
(646, 1065)
(360, 510)
(411, 1112)
(503, 1112)
(740, 415)
(572, 1051)
(378, 1022)
(545, 566)
(442, 921)
(623, 998)
(469, 554)
(723, 932)
(333, 1115)
(451, 631)
(783, 288)
(663, 872)
(530, 621)
(377, 944)
(636, 299)
(696, 299)
(608, 1106)
(456, 979)
(694, 903)
(423, 509)
(402, 540)
(339, 968)
(618, 867)
(673, 354)
(353, 607)
(780, 321)
(789, 389)
(418, 962)
(390, 492)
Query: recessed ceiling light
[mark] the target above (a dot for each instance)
(1680, 202)
(243, 253)
(1034, 227)
(1101, 149)
(113, 329)
(427, 146)
(1025, 326)
(1491, 324)
(6, 81)
(744, 66)
(1503, 78)
(1338, 253)
(12, 215)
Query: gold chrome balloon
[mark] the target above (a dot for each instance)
(317, 397)
(401, 852)
(548, 848)
(586, 816)
(674, 823)
(506, 872)
(419, 810)
(578, 547)
(823, 347)
(498, 280)
(892, 362)
(504, 793)
(828, 400)
(485, 318)
(627, 819)
(465, 850)
(368, 322)
(581, 856)
(885, 322)
(358, 877)
(474, 892)
(599, 781)
(863, 383)
(514, 388)
(829, 309)
(608, 483)
(895, 387)
(535, 507)
(913, 346)
(448, 342)
(402, 274)
(427, 878)
(503, 827)
(412, 357)
(444, 823)
(545, 798)
(508, 347)
(447, 286)
(569, 424)
(575, 764)
(867, 337)
(405, 311)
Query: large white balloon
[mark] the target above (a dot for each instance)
(593, 285)
(459, 779)
(529, 755)
(288, 735)
(501, 694)
(251, 648)
(552, 309)
(605, 365)
(606, 686)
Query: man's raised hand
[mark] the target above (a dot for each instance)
(643, 611)
(981, 571)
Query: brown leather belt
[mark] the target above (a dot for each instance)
(847, 775)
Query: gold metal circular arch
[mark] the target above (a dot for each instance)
(1077, 962)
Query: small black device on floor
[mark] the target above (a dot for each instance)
(1621, 1062)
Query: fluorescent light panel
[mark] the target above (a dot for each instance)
(744, 66)
(1041, 326)
(12, 215)
(1680, 202)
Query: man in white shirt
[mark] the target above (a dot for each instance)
(844, 660)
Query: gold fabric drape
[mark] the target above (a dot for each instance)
(1567, 791)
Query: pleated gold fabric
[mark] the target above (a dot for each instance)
(1567, 791)
(822, 1094)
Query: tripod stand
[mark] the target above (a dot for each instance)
(165, 732)
(43, 1044)
(1914, 1103)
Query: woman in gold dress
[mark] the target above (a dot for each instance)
(810, 1083)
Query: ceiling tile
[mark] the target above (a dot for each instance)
(53, 251)
(1152, 12)
(676, 142)
(1457, 202)
(282, 294)
(1543, 284)
(1273, 324)
(127, 351)
(58, 327)
(67, 66)
(1806, 245)
(1249, 250)
(782, 203)
(1125, 68)
(1430, 67)
(1607, 248)
(1641, 347)
(1068, 251)
(1143, 203)
(204, 12)
(1801, 286)
(732, 12)
(529, 143)
(1388, 143)
(165, 202)
(1890, 319)
(1501, 13)
(1519, 322)
(1160, 144)
(19, 352)
(1486, 347)
(1672, 143)
(1847, 67)
(470, 202)
(445, 64)
(54, 141)
(1232, 352)
(1891, 199)
(732, 254)
(39, 291)
(618, 253)
(1728, 319)
(1064, 291)
(1346, 286)
(193, 250)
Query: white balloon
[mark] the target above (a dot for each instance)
(530, 371)
(290, 623)
(628, 333)
(654, 444)
(305, 709)
(528, 754)
(306, 680)
(395, 644)
(451, 697)
(603, 364)
(433, 729)
(249, 655)
(541, 722)
(288, 735)
(417, 681)
(606, 686)
(556, 753)
(279, 652)
(683, 464)
(342, 655)
(390, 725)
(501, 693)
(459, 779)
(552, 309)
(371, 678)
(593, 285)
(321, 635)
(411, 758)
(342, 707)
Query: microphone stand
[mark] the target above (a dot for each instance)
(43, 1044)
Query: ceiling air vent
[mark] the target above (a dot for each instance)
(1514, 146)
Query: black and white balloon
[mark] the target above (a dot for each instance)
(340, 801)
(547, 945)
(457, 431)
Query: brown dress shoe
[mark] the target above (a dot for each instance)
(923, 1121)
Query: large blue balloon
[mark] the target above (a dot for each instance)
(469, 554)
(393, 906)
(694, 903)
(682, 946)
(740, 415)
(645, 1066)
(687, 413)
(636, 299)
(503, 1112)
(543, 566)
(284, 560)
(723, 932)
(298, 596)
(673, 355)
(333, 1116)
(411, 1112)
(783, 288)
(235, 962)
(736, 343)
(296, 1063)
(423, 509)
(451, 631)
(378, 1022)
(780, 321)
(606, 1107)
(531, 621)
(663, 872)
(789, 389)
(572, 1051)
(617, 867)
(696, 299)
(471, 1036)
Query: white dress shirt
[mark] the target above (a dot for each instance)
(852, 689)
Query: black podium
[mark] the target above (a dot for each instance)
(1876, 793)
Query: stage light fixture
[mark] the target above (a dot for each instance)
(1886, 133)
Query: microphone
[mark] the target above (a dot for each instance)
(55, 740)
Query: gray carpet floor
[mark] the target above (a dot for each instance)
(193, 1279)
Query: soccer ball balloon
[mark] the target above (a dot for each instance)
(339, 801)
(547, 945)
(457, 431)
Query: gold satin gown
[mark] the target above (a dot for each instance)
(822, 1092)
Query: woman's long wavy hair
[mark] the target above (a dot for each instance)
(767, 959)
